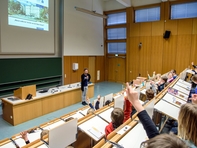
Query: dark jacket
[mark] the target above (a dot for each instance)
(83, 80)
(148, 124)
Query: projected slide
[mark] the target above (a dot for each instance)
(29, 14)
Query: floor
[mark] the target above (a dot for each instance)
(7, 130)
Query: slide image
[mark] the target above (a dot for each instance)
(29, 14)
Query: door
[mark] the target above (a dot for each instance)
(116, 69)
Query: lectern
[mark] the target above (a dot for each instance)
(22, 92)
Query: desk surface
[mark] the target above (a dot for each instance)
(184, 82)
(183, 85)
(53, 125)
(94, 127)
(183, 90)
(134, 137)
(8, 145)
(107, 114)
(173, 100)
(58, 90)
(168, 109)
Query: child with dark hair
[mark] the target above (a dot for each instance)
(162, 82)
(174, 73)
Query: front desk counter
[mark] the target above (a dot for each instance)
(19, 111)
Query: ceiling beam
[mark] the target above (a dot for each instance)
(126, 3)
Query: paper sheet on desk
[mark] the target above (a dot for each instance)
(8, 145)
(95, 132)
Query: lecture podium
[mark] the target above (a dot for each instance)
(19, 111)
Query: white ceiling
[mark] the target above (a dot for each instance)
(119, 4)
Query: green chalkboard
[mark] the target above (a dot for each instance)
(15, 73)
(29, 68)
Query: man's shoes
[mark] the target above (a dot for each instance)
(84, 103)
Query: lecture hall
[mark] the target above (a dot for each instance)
(98, 73)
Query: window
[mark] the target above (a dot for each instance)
(147, 15)
(186, 10)
(117, 48)
(116, 18)
(116, 33)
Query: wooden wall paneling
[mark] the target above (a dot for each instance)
(156, 54)
(134, 30)
(158, 28)
(67, 68)
(193, 50)
(146, 29)
(100, 65)
(74, 74)
(91, 68)
(121, 68)
(194, 31)
(85, 62)
(185, 26)
(133, 58)
(183, 52)
(80, 60)
(111, 68)
(145, 53)
(169, 54)
(171, 25)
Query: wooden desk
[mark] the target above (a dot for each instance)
(19, 111)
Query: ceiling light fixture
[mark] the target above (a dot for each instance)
(90, 12)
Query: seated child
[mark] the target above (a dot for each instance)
(174, 73)
(170, 77)
(149, 94)
(90, 110)
(97, 102)
(117, 117)
(161, 84)
(157, 77)
(195, 68)
(193, 87)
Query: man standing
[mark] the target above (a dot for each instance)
(85, 78)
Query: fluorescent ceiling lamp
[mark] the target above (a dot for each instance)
(90, 12)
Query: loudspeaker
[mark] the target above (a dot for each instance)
(166, 34)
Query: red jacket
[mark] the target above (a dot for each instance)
(108, 129)
(127, 109)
